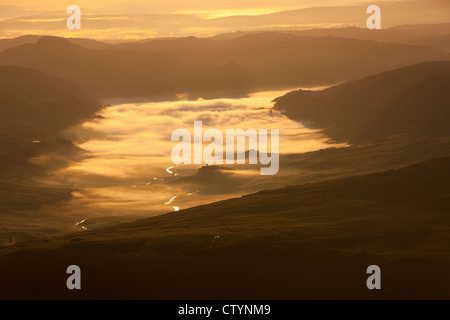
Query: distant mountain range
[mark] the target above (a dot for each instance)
(32, 39)
(286, 59)
(434, 35)
(127, 73)
(211, 68)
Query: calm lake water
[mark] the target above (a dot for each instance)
(130, 167)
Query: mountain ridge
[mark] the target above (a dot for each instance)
(377, 106)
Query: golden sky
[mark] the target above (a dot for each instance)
(172, 6)
(139, 19)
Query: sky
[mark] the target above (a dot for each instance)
(140, 19)
(175, 6)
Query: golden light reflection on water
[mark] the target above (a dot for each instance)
(132, 148)
(138, 135)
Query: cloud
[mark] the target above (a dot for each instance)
(171, 6)
(161, 18)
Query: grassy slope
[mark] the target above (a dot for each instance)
(412, 100)
(308, 241)
(35, 107)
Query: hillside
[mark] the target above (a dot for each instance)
(212, 68)
(413, 100)
(434, 35)
(31, 119)
(14, 42)
(284, 59)
(32, 39)
(107, 73)
(300, 242)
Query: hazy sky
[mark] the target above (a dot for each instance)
(138, 19)
(170, 6)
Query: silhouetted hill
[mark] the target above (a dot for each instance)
(34, 108)
(32, 39)
(36, 99)
(412, 100)
(301, 242)
(208, 68)
(284, 59)
(90, 43)
(441, 42)
(127, 73)
(435, 35)
(14, 42)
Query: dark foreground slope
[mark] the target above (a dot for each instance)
(309, 241)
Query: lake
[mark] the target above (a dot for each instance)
(130, 170)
